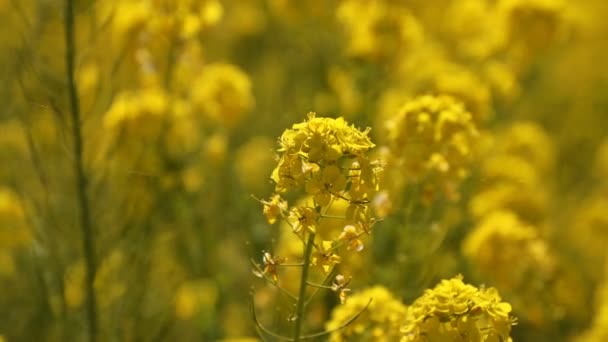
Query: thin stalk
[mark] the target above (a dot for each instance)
(80, 177)
(303, 282)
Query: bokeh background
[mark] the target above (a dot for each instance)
(182, 103)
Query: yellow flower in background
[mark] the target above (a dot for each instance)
(108, 284)
(253, 163)
(14, 230)
(195, 296)
(533, 25)
(431, 137)
(508, 251)
(455, 311)
(529, 141)
(469, 88)
(381, 315)
(222, 93)
(378, 29)
(139, 112)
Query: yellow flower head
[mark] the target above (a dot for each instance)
(378, 29)
(455, 311)
(380, 317)
(507, 250)
(311, 152)
(223, 93)
(432, 136)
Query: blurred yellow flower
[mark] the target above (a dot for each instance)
(222, 92)
(193, 296)
(381, 315)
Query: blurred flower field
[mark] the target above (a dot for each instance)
(314, 170)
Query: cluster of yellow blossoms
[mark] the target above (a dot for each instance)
(431, 142)
(511, 242)
(455, 311)
(381, 315)
(508, 249)
(328, 160)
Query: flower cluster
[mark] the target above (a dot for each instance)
(455, 311)
(381, 315)
(184, 19)
(515, 174)
(378, 30)
(509, 250)
(223, 93)
(431, 138)
(327, 160)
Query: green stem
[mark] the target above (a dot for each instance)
(80, 177)
(303, 282)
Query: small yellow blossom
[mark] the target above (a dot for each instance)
(303, 219)
(324, 256)
(274, 208)
(271, 265)
(351, 236)
(339, 286)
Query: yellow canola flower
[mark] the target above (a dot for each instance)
(324, 256)
(534, 24)
(129, 16)
(108, 283)
(223, 93)
(194, 296)
(529, 203)
(308, 146)
(140, 112)
(528, 141)
(379, 322)
(455, 311)
(508, 251)
(378, 29)
(432, 137)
